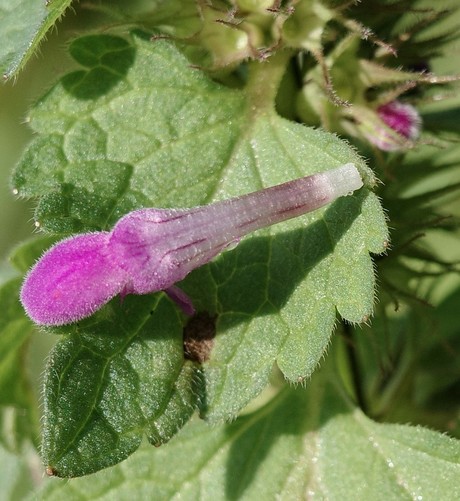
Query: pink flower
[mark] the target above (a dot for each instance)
(402, 118)
(149, 250)
(402, 123)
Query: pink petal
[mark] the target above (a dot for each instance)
(71, 280)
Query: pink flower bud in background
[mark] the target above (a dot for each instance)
(403, 122)
(402, 118)
(391, 127)
(149, 250)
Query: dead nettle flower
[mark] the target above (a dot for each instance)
(149, 250)
(400, 127)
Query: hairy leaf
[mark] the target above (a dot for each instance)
(139, 127)
(110, 380)
(304, 444)
(23, 25)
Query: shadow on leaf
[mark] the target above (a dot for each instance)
(272, 438)
(108, 59)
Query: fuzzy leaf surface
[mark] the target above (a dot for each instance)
(111, 380)
(139, 127)
(304, 444)
(23, 26)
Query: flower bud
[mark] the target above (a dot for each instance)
(402, 118)
(393, 126)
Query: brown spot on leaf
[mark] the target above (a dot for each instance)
(50, 471)
(199, 336)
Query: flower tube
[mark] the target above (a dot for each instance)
(149, 250)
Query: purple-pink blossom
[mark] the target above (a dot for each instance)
(401, 126)
(402, 118)
(150, 250)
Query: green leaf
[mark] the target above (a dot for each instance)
(157, 132)
(303, 444)
(409, 363)
(18, 418)
(23, 26)
(110, 380)
(15, 330)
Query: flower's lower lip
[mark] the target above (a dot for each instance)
(59, 289)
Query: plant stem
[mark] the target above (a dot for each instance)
(264, 81)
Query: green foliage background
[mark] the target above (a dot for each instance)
(294, 442)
